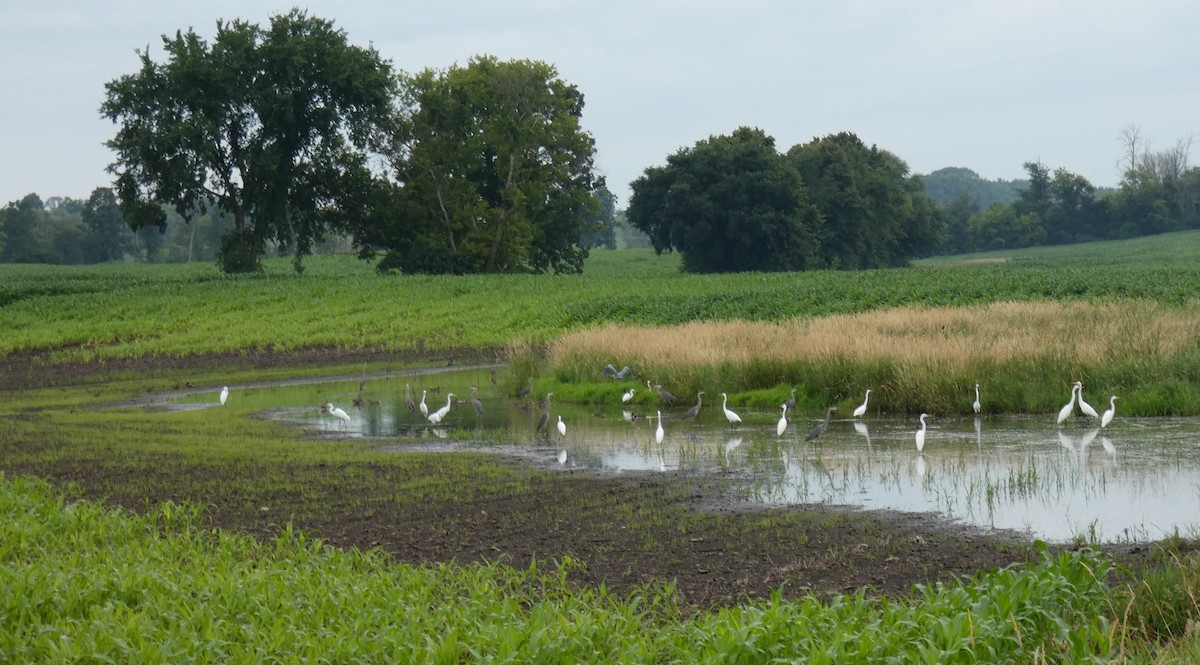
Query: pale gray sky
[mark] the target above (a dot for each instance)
(984, 85)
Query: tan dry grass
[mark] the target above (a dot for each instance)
(944, 337)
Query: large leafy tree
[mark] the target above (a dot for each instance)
(272, 125)
(729, 203)
(110, 237)
(874, 214)
(494, 175)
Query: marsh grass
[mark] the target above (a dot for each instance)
(1025, 355)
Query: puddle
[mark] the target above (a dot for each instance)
(1137, 480)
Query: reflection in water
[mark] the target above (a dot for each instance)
(1014, 473)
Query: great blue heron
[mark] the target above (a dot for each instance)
(664, 394)
(525, 390)
(1110, 412)
(1065, 412)
(545, 414)
(627, 396)
(822, 426)
(1084, 406)
(791, 401)
(658, 433)
(862, 408)
(424, 408)
(921, 433)
(224, 395)
(437, 416)
(729, 415)
(562, 427)
(362, 383)
(475, 400)
(614, 373)
(976, 405)
(781, 426)
(695, 410)
(408, 400)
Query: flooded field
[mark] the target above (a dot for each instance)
(1137, 480)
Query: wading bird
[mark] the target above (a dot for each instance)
(665, 395)
(337, 412)
(362, 383)
(822, 426)
(782, 425)
(475, 400)
(525, 390)
(408, 400)
(1084, 406)
(1065, 412)
(224, 395)
(695, 410)
(861, 410)
(562, 427)
(424, 407)
(437, 416)
(729, 415)
(791, 401)
(921, 433)
(545, 414)
(976, 405)
(658, 433)
(1110, 412)
(627, 396)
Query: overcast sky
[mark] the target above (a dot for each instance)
(983, 85)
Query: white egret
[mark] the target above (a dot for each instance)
(1084, 406)
(822, 426)
(224, 395)
(1065, 412)
(424, 408)
(337, 412)
(976, 405)
(1110, 412)
(782, 425)
(437, 416)
(729, 415)
(562, 427)
(545, 414)
(862, 408)
(658, 433)
(921, 433)
(627, 396)
(692, 412)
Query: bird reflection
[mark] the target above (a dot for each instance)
(562, 457)
(861, 428)
(732, 444)
(1108, 446)
(920, 464)
(978, 438)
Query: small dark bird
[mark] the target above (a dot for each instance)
(692, 412)
(820, 428)
(525, 390)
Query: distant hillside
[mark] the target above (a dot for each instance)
(945, 185)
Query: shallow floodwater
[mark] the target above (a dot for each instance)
(1137, 480)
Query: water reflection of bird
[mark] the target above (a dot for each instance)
(627, 396)
(692, 412)
(1065, 412)
(545, 414)
(658, 433)
(1110, 412)
(861, 428)
(861, 410)
(920, 436)
(729, 415)
(978, 438)
(1108, 445)
(224, 395)
(920, 464)
(437, 416)
(976, 405)
(475, 401)
(822, 426)
(781, 426)
(424, 407)
(562, 456)
(732, 444)
(1084, 406)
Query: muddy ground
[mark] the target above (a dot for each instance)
(729, 555)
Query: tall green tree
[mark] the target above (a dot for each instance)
(110, 237)
(730, 203)
(494, 173)
(273, 125)
(600, 229)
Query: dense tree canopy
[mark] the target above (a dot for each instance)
(729, 203)
(271, 125)
(494, 173)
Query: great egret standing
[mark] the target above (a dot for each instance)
(658, 433)
(921, 433)
(782, 425)
(729, 415)
(437, 416)
(822, 426)
(545, 414)
(408, 400)
(1065, 412)
(861, 410)
(695, 410)
(224, 395)
(562, 427)
(1084, 406)
(976, 405)
(627, 396)
(337, 412)
(424, 408)
(1110, 412)
(475, 402)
